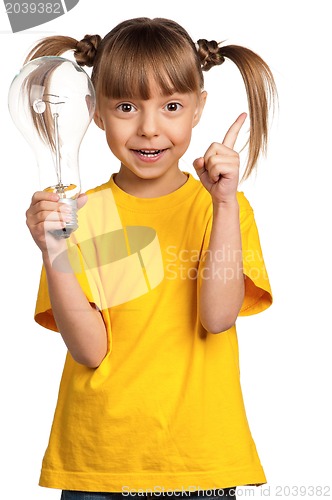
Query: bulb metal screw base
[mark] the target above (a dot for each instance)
(72, 225)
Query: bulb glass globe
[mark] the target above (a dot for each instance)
(52, 102)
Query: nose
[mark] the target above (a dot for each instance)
(148, 125)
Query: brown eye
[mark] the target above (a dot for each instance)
(126, 107)
(173, 106)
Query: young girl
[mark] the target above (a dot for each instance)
(150, 399)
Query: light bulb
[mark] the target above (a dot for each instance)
(52, 102)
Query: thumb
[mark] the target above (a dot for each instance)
(199, 166)
(81, 200)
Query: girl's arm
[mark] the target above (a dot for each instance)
(221, 275)
(80, 324)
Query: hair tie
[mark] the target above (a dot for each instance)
(86, 50)
(210, 53)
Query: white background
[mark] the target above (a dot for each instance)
(285, 351)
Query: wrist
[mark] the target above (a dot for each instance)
(229, 205)
(57, 259)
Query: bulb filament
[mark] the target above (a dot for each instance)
(57, 152)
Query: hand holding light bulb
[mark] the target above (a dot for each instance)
(52, 102)
(46, 217)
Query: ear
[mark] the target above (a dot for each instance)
(200, 106)
(98, 120)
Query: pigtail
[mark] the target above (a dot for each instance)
(84, 50)
(260, 88)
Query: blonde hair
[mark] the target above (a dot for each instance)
(126, 58)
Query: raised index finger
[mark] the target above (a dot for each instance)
(233, 131)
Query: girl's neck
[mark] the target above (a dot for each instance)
(149, 188)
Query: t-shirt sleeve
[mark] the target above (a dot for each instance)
(258, 295)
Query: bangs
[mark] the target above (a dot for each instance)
(129, 66)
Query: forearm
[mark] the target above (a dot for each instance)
(80, 324)
(222, 280)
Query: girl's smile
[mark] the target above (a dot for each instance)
(149, 155)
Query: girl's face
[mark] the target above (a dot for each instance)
(150, 136)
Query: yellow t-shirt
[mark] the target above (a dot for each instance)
(165, 408)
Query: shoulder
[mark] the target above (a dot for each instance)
(101, 187)
(247, 218)
(243, 202)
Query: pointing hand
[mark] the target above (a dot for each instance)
(218, 170)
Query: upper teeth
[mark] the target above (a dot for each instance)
(149, 151)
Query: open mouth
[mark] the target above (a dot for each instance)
(149, 153)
